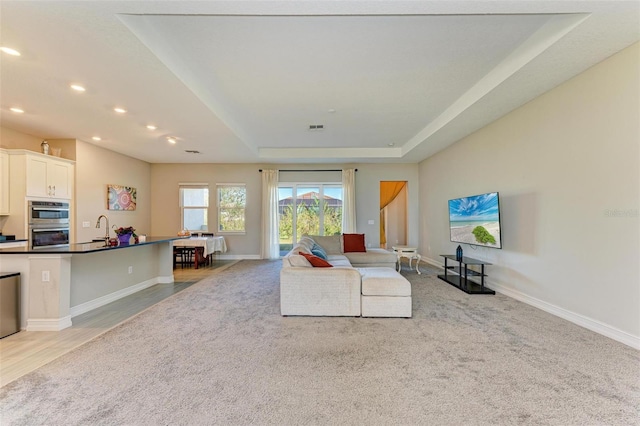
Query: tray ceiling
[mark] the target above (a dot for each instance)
(244, 81)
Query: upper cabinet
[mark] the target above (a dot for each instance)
(44, 176)
(4, 182)
(48, 177)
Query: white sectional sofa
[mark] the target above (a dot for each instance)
(338, 290)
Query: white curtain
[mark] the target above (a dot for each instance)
(348, 201)
(270, 239)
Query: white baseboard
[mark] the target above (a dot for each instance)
(112, 297)
(166, 279)
(237, 257)
(49, 324)
(578, 319)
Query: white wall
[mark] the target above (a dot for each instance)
(561, 163)
(97, 167)
(12, 139)
(368, 181)
(166, 177)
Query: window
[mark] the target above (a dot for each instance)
(313, 209)
(194, 206)
(232, 201)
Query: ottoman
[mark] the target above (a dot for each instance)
(385, 293)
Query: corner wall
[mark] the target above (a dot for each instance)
(567, 169)
(11, 139)
(97, 167)
(166, 178)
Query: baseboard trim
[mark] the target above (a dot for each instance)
(165, 279)
(49, 324)
(237, 257)
(112, 297)
(578, 319)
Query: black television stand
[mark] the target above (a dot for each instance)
(460, 277)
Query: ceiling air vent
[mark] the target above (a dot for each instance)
(316, 127)
(191, 151)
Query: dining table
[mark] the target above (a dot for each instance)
(204, 247)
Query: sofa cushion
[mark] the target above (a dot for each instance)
(339, 261)
(373, 257)
(307, 243)
(354, 243)
(317, 250)
(330, 243)
(316, 262)
(297, 260)
(300, 247)
(384, 282)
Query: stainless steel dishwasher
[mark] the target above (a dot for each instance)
(9, 303)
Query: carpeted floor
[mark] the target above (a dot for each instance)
(220, 353)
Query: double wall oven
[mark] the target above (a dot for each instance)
(48, 224)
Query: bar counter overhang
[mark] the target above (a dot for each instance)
(59, 283)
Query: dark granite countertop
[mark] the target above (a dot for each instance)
(81, 248)
(11, 241)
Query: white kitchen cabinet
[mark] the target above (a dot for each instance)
(4, 182)
(48, 177)
(36, 176)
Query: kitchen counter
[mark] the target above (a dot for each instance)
(11, 241)
(59, 283)
(80, 248)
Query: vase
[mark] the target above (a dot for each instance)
(124, 239)
(459, 253)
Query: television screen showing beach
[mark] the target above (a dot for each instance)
(476, 220)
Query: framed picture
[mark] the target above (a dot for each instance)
(121, 197)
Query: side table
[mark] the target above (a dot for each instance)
(410, 253)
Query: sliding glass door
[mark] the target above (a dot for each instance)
(308, 209)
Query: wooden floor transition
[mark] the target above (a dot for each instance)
(26, 351)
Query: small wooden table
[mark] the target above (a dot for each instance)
(408, 252)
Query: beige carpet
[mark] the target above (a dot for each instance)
(220, 353)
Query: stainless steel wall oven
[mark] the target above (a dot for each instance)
(48, 224)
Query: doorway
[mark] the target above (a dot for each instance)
(393, 213)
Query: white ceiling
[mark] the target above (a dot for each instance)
(391, 81)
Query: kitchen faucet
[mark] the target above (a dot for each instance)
(106, 232)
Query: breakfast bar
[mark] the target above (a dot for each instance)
(59, 283)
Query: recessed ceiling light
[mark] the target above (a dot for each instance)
(97, 138)
(171, 140)
(331, 111)
(151, 127)
(78, 88)
(10, 51)
(120, 110)
(391, 144)
(17, 110)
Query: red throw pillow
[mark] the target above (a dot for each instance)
(353, 243)
(316, 262)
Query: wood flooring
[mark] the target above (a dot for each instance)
(26, 351)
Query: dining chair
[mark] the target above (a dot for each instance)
(183, 256)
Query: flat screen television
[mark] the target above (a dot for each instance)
(475, 220)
